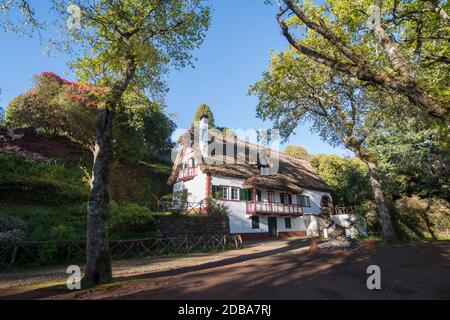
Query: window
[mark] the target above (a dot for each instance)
(325, 202)
(287, 222)
(251, 195)
(265, 171)
(255, 222)
(216, 192)
(304, 201)
(225, 193)
(270, 197)
(285, 198)
(234, 193)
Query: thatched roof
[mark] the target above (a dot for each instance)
(293, 175)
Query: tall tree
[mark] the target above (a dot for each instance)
(204, 109)
(126, 43)
(349, 177)
(401, 45)
(297, 152)
(414, 154)
(342, 110)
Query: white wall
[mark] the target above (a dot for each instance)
(315, 198)
(196, 188)
(240, 222)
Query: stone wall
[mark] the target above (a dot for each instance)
(192, 226)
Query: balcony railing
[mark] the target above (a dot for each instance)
(343, 210)
(266, 208)
(187, 173)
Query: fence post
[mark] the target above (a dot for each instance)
(68, 253)
(13, 256)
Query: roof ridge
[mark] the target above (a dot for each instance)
(235, 139)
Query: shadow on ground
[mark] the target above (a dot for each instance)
(414, 271)
(294, 244)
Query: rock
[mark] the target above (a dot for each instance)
(340, 243)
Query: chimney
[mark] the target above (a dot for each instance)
(204, 135)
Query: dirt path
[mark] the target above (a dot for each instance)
(22, 281)
(416, 271)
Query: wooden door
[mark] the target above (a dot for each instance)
(273, 228)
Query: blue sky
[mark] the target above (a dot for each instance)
(235, 53)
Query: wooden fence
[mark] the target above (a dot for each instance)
(43, 253)
(180, 207)
(343, 210)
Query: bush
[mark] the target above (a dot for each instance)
(217, 209)
(24, 181)
(12, 229)
(424, 218)
(129, 220)
(63, 232)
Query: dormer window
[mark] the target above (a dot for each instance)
(265, 171)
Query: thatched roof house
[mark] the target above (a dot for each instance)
(293, 175)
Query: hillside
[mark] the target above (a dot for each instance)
(44, 180)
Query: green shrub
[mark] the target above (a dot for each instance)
(12, 229)
(424, 218)
(129, 220)
(24, 181)
(63, 232)
(217, 209)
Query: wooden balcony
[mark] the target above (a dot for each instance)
(343, 210)
(187, 173)
(278, 209)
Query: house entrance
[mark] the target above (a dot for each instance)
(273, 230)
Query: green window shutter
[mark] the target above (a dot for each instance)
(250, 194)
(216, 190)
(244, 194)
(255, 222)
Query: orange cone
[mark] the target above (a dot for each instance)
(313, 247)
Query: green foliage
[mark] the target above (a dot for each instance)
(145, 36)
(24, 181)
(415, 156)
(424, 218)
(347, 176)
(204, 109)
(2, 117)
(297, 152)
(129, 221)
(9, 223)
(18, 16)
(68, 222)
(58, 107)
(420, 50)
(12, 229)
(62, 222)
(341, 110)
(217, 209)
(63, 232)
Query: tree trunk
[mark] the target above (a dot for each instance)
(98, 264)
(380, 202)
